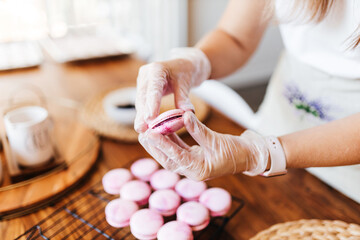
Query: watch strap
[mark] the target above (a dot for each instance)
(277, 157)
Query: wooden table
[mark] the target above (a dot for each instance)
(268, 201)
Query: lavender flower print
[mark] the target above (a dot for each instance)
(314, 107)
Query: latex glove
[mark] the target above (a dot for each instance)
(216, 155)
(187, 68)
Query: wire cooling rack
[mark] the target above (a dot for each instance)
(83, 217)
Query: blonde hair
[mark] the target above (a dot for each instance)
(317, 10)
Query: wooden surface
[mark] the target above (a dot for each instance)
(268, 201)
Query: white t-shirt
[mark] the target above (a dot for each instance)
(325, 45)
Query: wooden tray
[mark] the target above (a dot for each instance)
(78, 146)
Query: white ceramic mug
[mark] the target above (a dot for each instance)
(29, 133)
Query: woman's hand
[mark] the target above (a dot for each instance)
(216, 155)
(187, 68)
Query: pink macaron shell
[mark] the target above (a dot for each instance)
(137, 191)
(119, 211)
(201, 226)
(116, 224)
(194, 214)
(164, 201)
(164, 123)
(145, 224)
(190, 190)
(175, 230)
(144, 168)
(164, 179)
(114, 179)
(217, 200)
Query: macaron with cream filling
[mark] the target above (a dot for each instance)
(217, 200)
(175, 230)
(165, 202)
(164, 179)
(145, 224)
(119, 211)
(168, 122)
(137, 191)
(190, 190)
(144, 168)
(194, 214)
(114, 179)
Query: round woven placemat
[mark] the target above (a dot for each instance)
(93, 115)
(310, 229)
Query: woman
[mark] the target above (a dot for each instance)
(312, 102)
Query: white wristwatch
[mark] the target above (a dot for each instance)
(277, 158)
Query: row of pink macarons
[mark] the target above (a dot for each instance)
(147, 223)
(120, 181)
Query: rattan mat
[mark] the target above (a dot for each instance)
(93, 115)
(313, 229)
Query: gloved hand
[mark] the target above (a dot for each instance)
(216, 155)
(187, 68)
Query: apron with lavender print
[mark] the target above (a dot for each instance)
(299, 97)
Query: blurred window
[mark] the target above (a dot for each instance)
(22, 20)
(154, 26)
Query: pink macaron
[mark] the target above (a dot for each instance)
(145, 224)
(217, 200)
(190, 190)
(144, 168)
(168, 122)
(194, 214)
(137, 191)
(164, 179)
(165, 202)
(119, 211)
(114, 179)
(175, 230)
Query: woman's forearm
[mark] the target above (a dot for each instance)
(333, 144)
(225, 54)
(236, 37)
